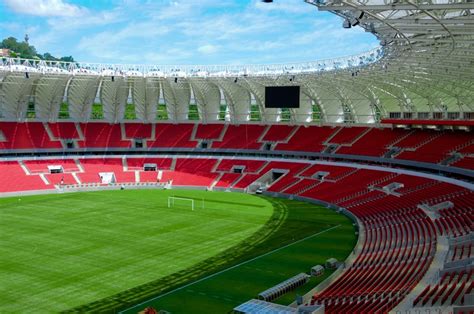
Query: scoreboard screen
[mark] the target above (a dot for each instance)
(282, 97)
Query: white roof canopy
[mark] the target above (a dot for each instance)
(423, 69)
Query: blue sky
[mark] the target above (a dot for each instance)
(182, 31)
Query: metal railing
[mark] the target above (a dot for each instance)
(43, 66)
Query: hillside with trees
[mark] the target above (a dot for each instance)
(25, 50)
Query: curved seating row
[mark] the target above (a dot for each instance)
(400, 238)
(455, 148)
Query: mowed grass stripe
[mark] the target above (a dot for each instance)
(240, 265)
(85, 247)
(219, 294)
(134, 236)
(222, 292)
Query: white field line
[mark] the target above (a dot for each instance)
(230, 268)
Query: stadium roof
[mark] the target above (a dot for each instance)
(424, 69)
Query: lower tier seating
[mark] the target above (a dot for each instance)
(400, 238)
(13, 179)
(454, 280)
(41, 166)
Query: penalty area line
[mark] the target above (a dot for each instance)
(230, 268)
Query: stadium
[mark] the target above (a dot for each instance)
(342, 185)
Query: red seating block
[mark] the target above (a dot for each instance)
(347, 135)
(437, 150)
(135, 163)
(92, 168)
(466, 162)
(138, 130)
(227, 179)
(278, 133)
(193, 172)
(250, 165)
(58, 178)
(209, 131)
(173, 135)
(103, 135)
(241, 136)
(41, 166)
(13, 178)
(365, 145)
(416, 138)
(31, 135)
(64, 130)
(308, 139)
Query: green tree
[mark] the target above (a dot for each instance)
(67, 59)
(27, 51)
(9, 43)
(21, 49)
(47, 56)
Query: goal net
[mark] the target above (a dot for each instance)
(180, 201)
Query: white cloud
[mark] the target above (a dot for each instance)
(118, 44)
(207, 49)
(45, 7)
(185, 31)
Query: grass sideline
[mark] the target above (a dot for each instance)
(105, 251)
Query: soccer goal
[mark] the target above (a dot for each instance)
(175, 201)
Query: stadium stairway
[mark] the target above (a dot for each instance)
(347, 136)
(309, 139)
(277, 134)
(209, 132)
(453, 280)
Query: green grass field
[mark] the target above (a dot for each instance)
(106, 251)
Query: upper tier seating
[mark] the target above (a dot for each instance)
(278, 133)
(466, 162)
(309, 139)
(209, 131)
(437, 149)
(64, 130)
(416, 138)
(347, 135)
(366, 145)
(99, 135)
(173, 135)
(31, 135)
(241, 136)
(468, 150)
(416, 145)
(138, 130)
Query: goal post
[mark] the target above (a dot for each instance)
(173, 199)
